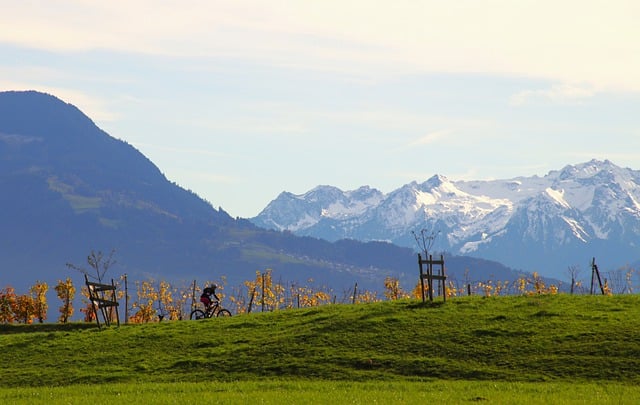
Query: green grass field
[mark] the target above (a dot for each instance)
(551, 348)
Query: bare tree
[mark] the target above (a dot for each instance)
(98, 262)
(573, 271)
(621, 280)
(425, 241)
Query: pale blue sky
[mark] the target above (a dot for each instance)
(241, 100)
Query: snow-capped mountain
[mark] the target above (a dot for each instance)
(542, 224)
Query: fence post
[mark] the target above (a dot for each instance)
(262, 299)
(126, 299)
(430, 277)
(355, 293)
(193, 296)
(421, 277)
(253, 294)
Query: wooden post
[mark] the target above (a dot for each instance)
(193, 296)
(253, 294)
(355, 293)
(430, 277)
(115, 299)
(595, 273)
(126, 299)
(573, 282)
(421, 277)
(469, 290)
(262, 300)
(428, 274)
(443, 279)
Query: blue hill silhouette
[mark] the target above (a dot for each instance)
(68, 188)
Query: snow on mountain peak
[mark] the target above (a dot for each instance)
(504, 219)
(437, 189)
(557, 196)
(435, 181)
(589, 170)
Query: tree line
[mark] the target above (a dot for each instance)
(151, 300)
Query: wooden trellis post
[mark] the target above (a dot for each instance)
(426, 272)
(595, 273)
(103, 297)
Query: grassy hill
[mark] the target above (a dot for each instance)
(524, 339)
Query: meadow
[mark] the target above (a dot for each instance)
(509, 349)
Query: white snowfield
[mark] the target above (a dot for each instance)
(578, 204)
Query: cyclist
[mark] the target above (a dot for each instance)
(207, 293)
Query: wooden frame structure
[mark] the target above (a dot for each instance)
(426, 272)
(103, 298)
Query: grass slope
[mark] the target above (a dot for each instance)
(560, 339)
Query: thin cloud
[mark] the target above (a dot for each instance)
(492, 37)
(557, 94)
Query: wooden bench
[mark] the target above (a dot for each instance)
(103, 298)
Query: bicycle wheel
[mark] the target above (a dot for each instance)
(197, 314)
(224, 312)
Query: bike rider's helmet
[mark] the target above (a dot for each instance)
(208, 290)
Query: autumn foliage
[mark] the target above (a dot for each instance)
(39, 295)
(160, 301)
(66, 292)
(7, 305)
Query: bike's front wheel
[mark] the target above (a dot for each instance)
(197, 314)
(224, 312)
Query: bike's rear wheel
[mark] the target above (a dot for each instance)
(197, 314)
(224, 312)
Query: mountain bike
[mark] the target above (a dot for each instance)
(213, 310)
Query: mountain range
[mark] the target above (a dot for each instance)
(543, 224)
(68, 188)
